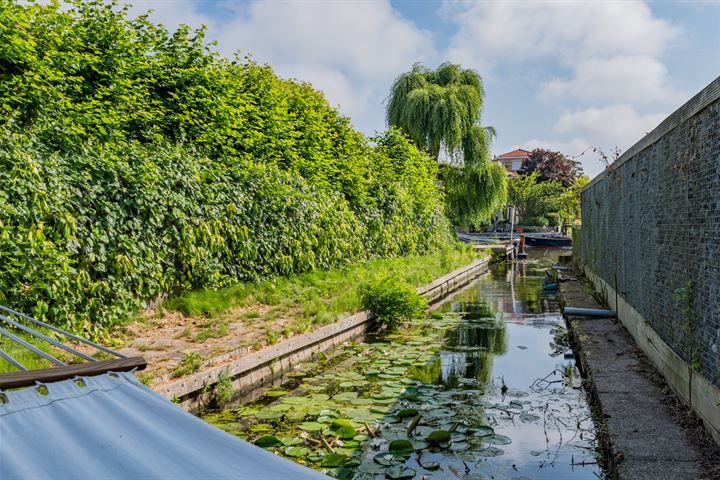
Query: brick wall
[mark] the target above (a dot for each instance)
(651, 225)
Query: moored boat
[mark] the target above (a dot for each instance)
(547, 240)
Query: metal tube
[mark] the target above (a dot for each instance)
(588, 312)
(10, 359)
(37, 334)
(30, 347)
(67, 334)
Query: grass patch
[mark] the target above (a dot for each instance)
(319, 297)
(190, 364)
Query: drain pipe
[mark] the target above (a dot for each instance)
(589, 312)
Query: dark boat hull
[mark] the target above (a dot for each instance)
(543, 241)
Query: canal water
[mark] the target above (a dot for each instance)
(484, 388)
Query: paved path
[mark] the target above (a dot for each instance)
(644, 439)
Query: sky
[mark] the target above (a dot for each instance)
(564, 75)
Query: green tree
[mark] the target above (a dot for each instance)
(570, 200)
(441, 109)
(534, 198)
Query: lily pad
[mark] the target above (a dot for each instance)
(439, 436)
(498, 440)
(484, 431)
(333, 460)
(297, 451)
(400, 473)
(268, 441)
(490, 452)
(407, 412)
(311, 426)
(402, 448)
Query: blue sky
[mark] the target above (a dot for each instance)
(564, 75)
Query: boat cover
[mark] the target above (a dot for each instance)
(114, 427)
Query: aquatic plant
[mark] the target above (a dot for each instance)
(392, 300)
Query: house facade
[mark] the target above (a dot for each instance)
(512, 161)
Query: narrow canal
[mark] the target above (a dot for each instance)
(484, 388)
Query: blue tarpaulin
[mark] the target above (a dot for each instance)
(114, 427)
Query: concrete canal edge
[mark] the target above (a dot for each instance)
(643, 431)
(249, 371)
(694, 389)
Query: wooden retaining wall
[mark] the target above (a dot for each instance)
(250, 371)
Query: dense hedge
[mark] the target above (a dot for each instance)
(134, 162)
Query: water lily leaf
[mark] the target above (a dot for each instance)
(342, 422)
(529, 417)
(372, 468)
(269, 415)
(311, 426)
(430, 466)
(361, 401)
(403, 448)
(484, 431)
(536, 453)
(439, 436)
(400, 473)
(420, 444)
(407, 412)
(345, 433)
(296, 400)
(498, 440)
(459, 446)
(290, 441)
(276, 392)
(297, 451)
(268, 441)
(345, 396)
(387, 459)
(490, 452)
(342, 473)
(333, 460)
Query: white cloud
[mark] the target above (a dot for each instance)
(637, 79)
(618, 125)
(369, 39)
(171, 13)
(569, 32)
(593, 51)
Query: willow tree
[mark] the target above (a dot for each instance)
(440, 110)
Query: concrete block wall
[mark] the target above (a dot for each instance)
(651, 227)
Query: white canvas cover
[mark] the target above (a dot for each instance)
(116, 428)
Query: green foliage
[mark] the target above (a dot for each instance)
(570, 201)
(474, 192)
(533, 198)
(536, 221)
(441, 109)
(224, 390)
(392, 300)
(135, 162)
(191, 363)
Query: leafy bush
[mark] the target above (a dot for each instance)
(148, 165)
(553, 219)
(536, 221)
(392, 300)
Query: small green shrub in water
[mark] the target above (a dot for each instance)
(392, 300)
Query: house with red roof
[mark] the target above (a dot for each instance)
(512, 161)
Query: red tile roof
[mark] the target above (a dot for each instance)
(515, 153)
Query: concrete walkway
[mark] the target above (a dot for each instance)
(644, 438)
